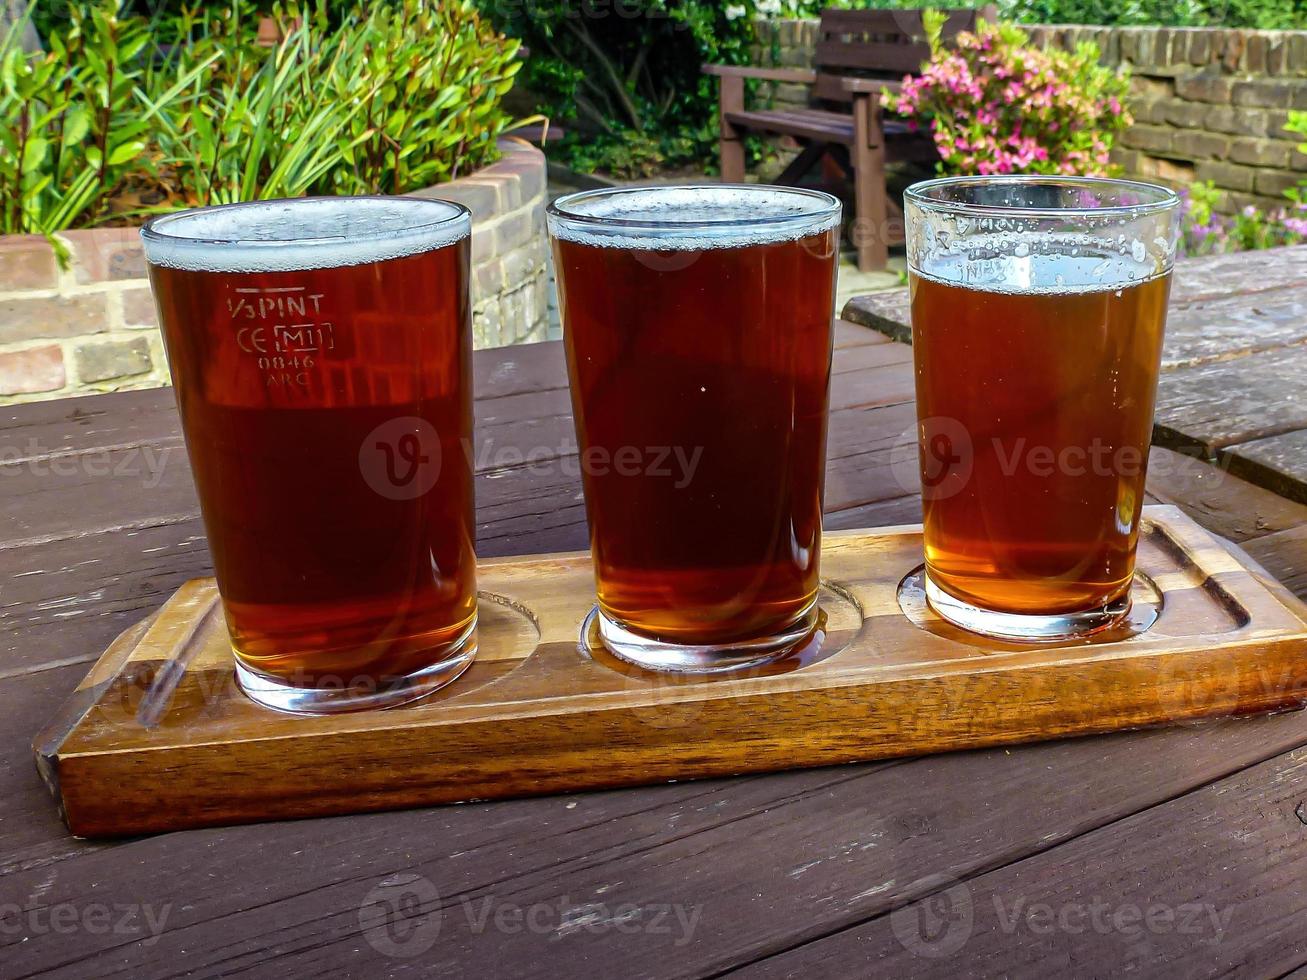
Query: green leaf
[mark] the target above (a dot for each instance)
(34, 153)
(125, 152)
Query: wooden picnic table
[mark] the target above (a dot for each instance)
(1177, 851)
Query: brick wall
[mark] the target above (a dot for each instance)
(90, 326)
(1209, 104)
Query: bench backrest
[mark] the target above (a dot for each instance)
(878, 43)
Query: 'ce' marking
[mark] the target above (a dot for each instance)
(252, 340)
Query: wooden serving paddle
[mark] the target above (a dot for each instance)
(158, 737)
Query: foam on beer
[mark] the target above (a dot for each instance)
(307, 233)
(690, 218)
(1053, 270)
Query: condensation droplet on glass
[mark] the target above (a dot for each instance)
(1021, 250)
(1137, 251)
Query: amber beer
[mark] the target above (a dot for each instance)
(698, 336)
(1037, 345)
(320, 352)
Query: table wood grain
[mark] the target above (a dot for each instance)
(873, 869)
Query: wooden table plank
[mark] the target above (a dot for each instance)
(1219, 500)
(1232, 326)
(1284, 555)
(1121, 899)
(1278, 462)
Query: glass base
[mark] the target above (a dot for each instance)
(1023, 627)
(361, 694)
(706, 658)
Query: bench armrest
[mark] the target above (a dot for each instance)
(801, 76)
(869, 86)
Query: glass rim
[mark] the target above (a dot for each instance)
(155, 230)
(1164, 198)
(830, 207)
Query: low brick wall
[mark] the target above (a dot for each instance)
(91, 327)
(1209, 104)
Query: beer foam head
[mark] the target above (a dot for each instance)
(1040, 233)
(692, 218)
(303, 233)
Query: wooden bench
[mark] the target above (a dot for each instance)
(859, 53)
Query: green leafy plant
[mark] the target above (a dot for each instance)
(1205, 231)
(69, 130)
(996, 105)
(386, 101)
(354, 99)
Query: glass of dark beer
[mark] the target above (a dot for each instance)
(320, 350)
(1038, 305)
(697, 324)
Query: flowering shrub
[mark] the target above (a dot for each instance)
(996, 106)
(1204, 232)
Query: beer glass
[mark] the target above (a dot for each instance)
(320, 351)
(697, 325)
(1038, 305)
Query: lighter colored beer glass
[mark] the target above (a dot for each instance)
(1038, 306)
(320, 349)
(697, 324)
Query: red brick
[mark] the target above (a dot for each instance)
(41, 317)
(25, 372)
(104, 254)
(139, 309)
(112, 359)
(27, 262)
